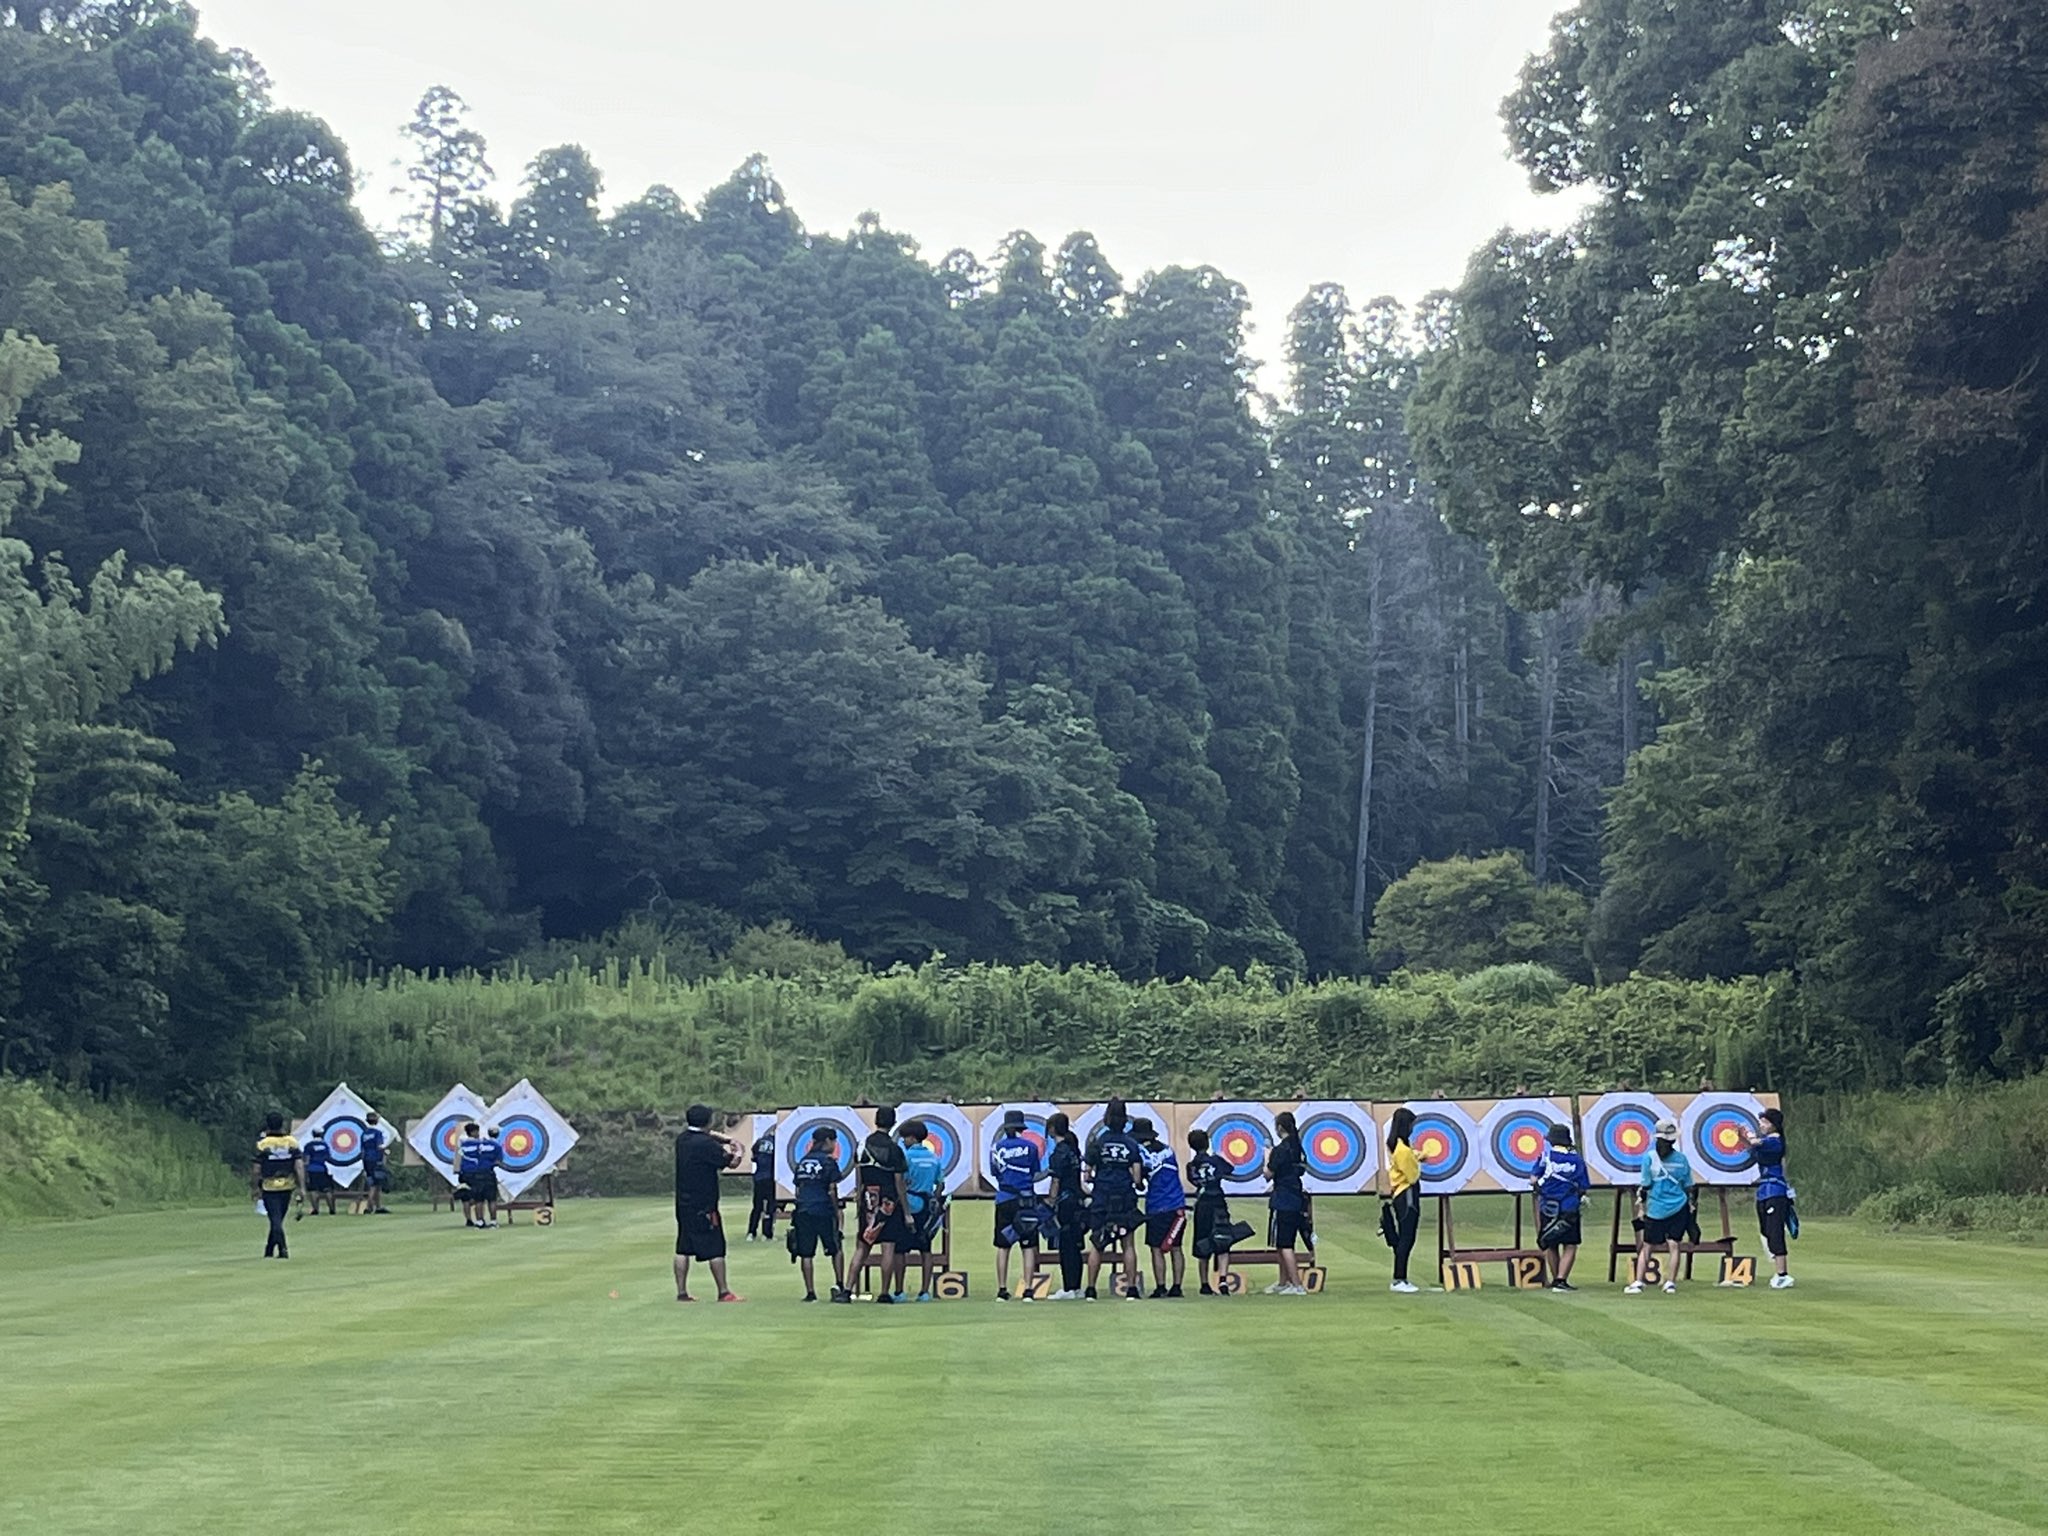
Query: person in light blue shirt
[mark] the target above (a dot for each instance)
(1664, 1194)
(921, 1178)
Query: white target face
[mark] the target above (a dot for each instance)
(1036, 1113)
(437, 1135)
(1241, 1133)
(1446, 1141)
(793, 1140)
(345, 1115)
(1340, 1146)
(532, 1136)
(1619, 1130)
(1714, 1134)
(1514, 1135)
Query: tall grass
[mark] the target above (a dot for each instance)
(67, 1154)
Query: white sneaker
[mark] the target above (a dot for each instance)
(1295, 1290)
(1277, 1288)
(1634, 1288)
(1781, 1282)
(1404, 1288)
(1670, 1287)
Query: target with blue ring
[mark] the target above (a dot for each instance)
(1715, 1131)
(1620, 1129)
(525, 1142)
(950, 1135)
(1340, 1148)
(344, 1141)
(844, 1147)
(1446, 1141)
(1517, 1135)
(1242, 1134)
(446, 1137)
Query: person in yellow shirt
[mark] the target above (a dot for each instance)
(277, 1171)
(1402, 1212)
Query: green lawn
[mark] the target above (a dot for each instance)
(401, 1374)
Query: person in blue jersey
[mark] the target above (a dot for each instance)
(1166, 1210)
(816, 1175)
(761, 1214)
(487, 1181)
(1206, 1175)
(319, 1172)
(472, 1172)
(1014, 1165)
(1068, 1196)
(1773, 1194)
(1289, 1212)
(276, 1171)
(376, 1172)
(921, 1176)
(1560, 1183)
(1664, 1194)
(1117, 1164)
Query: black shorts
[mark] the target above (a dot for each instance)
(915, 1238)
(1293, 1229)
(700, 1235)
(378, 1177)
(1560, 1229)
(1770, 1220)
(478, 1188)
(1108, 1225)
(1006, 1221)
(1164, 1229)
(1659, 1230)
(319, 1183)
(812, 1230)
(881, 1219)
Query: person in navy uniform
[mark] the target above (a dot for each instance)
(761, 1215)
(815, 1225)
(487, 1182)
(376, 1174)
(277, 1170)
(1561, 1182)
(319, 1176)
(1774, 1216)
(1289, 1212)
(1117, 1163)
(1068, 1198)
(1166, 1210)
(1013, 1167)
(1206, 1173)
(476, 1175)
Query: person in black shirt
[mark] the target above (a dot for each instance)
(884, 1213)
(761, 1215)
(700, 1158)
(1205, 1174)
(1291, 1220)
(1063, 1162)
(815, 1225)
(1118, 1165)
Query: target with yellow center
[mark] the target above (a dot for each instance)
(1339, 1145)
(1446, 1142)
(1242, 1135)
(1620, 1129)
(1715, 1131)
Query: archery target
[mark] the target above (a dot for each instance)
(1035, 1112)
(532, 1137)
(345, 1116)
(950, 1134)
(436, 1135)
(1714, 1133)
(1620, 1129)
(1243, 1136)
(1514, 1135)
(793, 1140)
(1340, 1146)
(1446, 1139)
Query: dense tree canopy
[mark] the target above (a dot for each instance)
(534, 568)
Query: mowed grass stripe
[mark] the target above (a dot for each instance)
(159, 1376)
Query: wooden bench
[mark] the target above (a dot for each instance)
(1528, 1266)
(1722, 1247)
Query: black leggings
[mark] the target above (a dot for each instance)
(1770, 1219)
(761, 1216)
(1407, 1217)
(1070, 1249)
(276, 1203)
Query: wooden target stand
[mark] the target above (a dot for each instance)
(1734, 1270)
(1528, 1268)
(948, 1283)
(541, 1205)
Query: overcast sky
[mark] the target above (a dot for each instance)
(1288, 142)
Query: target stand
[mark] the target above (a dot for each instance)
(1722, 1247)
(1527, 1264)
(539, 1198)
(948, 1283)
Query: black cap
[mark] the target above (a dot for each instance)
(1013, 1119)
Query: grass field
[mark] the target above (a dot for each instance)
(404, 1375)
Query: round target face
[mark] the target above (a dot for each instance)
(1517, 1136)
(950, 1135)
(843, 1146)
(446, 1137)
(1715, 1133)
(1619, 1134)
(1446, 1142)
(1244, 1144)
(1339, 1145)
(344, 1141)
(525, 1142)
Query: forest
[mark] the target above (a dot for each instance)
(1660, 601)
